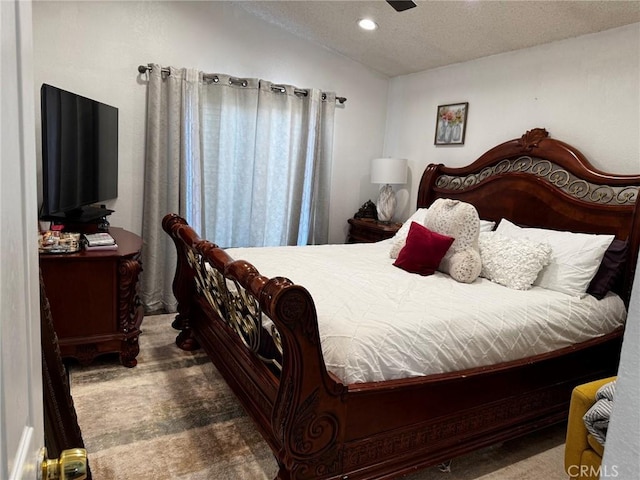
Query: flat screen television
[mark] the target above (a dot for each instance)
(79, 156)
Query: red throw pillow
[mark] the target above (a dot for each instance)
(423, 250)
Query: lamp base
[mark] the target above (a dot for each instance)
(386, 203)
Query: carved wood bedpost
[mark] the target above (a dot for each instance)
(309, 403)
(183, 290)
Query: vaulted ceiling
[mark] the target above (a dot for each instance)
(436, 33)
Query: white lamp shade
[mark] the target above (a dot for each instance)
(389, 170)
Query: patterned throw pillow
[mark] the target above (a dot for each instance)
(459, 220)
(423, 250)
(575, 257)
(514, 263)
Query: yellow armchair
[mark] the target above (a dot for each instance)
(582, 452)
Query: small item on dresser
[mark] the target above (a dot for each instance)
(100, 239)
(104, 224)
(98, 248)
(367, 210)
(54, 241)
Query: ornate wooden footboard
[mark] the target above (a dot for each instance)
(262, 335)
(278, 375)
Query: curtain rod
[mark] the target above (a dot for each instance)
(238, 81)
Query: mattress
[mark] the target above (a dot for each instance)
(378, 322)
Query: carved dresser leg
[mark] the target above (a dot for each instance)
(129, 351)
(178, 322)
(185, 339)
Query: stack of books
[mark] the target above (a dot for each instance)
(99, 241)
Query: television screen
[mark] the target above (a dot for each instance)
(79, 153)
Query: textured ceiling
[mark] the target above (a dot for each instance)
(438, 33)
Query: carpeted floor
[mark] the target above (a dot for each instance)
(172, 417)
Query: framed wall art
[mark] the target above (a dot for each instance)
(451, 124)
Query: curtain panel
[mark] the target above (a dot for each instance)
(247, 163)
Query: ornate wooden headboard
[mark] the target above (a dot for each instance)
(537, 181)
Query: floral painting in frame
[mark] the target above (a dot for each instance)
(451, 124)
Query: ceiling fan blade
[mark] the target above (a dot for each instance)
(401, 5)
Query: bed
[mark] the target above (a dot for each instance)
(263, 335)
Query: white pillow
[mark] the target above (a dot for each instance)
(486, 225)
(514, 263)
(458, 220)
(400, 238)
(575, 257)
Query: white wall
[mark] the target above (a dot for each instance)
(584, 91)
(623, 440)
(94, 49)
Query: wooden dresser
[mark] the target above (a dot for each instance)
(366, 230)
(94, 299)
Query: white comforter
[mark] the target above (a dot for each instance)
(378, 322)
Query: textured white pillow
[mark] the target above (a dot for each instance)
(400, 238)
(486, 225)
(512, 262)
(458, 220)
(575, 257)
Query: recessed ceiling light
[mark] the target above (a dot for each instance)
(367, 24)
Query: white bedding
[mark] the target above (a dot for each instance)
(378, 322)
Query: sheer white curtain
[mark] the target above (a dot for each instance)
(266, 165)
(246, 162)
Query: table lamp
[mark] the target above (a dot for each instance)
(388, 171)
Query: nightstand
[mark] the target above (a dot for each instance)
(367, 230)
